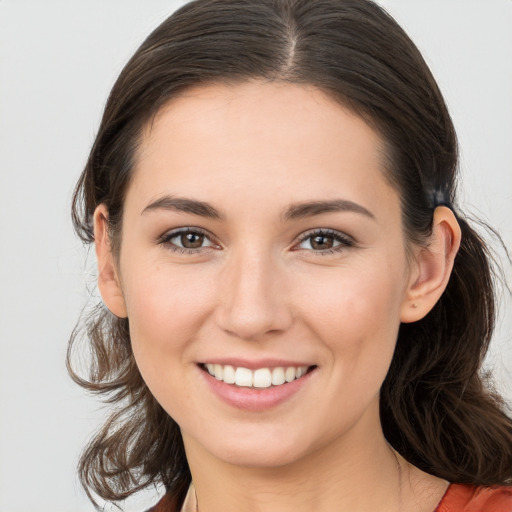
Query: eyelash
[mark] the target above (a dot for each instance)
(167, 237)
(345, 241)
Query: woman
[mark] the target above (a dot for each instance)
(296, 313)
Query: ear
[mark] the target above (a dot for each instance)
(432, 267)
(108, 279)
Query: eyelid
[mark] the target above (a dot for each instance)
(166, 238)
(345, 240)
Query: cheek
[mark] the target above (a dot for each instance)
(356, 312)
(355, 298)
(166, 308)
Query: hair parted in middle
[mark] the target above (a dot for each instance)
(435, 407)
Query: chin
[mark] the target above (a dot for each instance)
(258, 457)
(274, 448)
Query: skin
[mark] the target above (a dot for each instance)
(257, 288)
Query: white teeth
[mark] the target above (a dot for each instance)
(229, 374)
(278, 376)
(243, 377)
(260, 378)
(218, 371)
(289, 374)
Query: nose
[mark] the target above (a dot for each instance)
(253, 301)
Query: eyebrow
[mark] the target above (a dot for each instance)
(182, 204)
(312, 208)
(294, 212)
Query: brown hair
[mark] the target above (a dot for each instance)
(436, 408)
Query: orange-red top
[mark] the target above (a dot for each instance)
(470, 498)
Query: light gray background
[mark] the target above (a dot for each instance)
(58, 60)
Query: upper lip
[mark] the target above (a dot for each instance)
(254, 364)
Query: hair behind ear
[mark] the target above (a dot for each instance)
(437, 408)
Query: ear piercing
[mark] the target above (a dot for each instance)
(414, 305)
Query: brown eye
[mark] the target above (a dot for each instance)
(320, 242)
(192, 240)
(325, 241)
(187, 239)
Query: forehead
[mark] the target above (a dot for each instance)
(257, 136)
(258, 107)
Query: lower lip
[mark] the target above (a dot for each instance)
(255, 399)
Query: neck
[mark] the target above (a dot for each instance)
(351, 474)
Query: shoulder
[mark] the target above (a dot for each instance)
(471, 498)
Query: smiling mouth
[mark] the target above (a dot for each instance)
(260, 378)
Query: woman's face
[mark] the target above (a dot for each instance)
(260, 234)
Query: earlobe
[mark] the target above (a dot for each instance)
(434, 264)
(108, 278)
